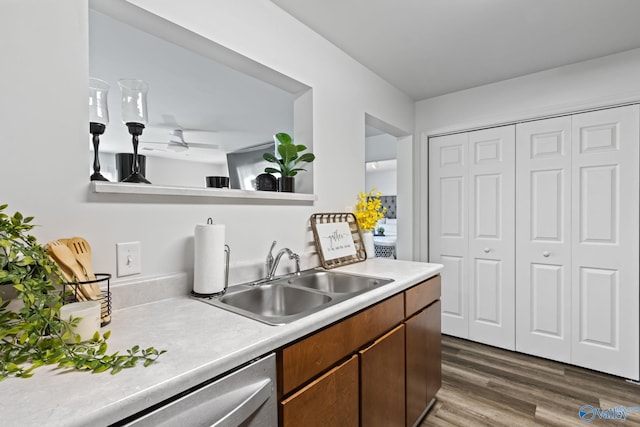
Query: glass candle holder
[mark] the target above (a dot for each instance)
(98, 120)
(134, 115)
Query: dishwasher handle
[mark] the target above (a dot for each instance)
(248, 406)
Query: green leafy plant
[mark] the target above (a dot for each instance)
(34, 335)
(289, 157)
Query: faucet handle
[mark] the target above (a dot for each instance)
(269, 261)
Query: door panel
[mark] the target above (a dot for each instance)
(547, 198)
(491, 246)
(382, 381)
(605, 234)
(448, 227)
(488, 291)
(599, 204)
(543, 238)
(453, 290)
(598, 313)
(330, 400)
(546, 301)
(488, 206)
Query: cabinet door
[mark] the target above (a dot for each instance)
(543, 238)
(605, 241)
(382, 382)
(448, 227)
(492, 236)
(423, 360)
(331, 400)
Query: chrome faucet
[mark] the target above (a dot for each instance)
(272, 264)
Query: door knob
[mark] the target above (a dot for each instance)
(487, 250)
(546, 254)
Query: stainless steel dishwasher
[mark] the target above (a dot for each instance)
(245, 397)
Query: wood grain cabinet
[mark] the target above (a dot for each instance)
(423, 348)
(382, 373)
(378, 367)
(331, 400)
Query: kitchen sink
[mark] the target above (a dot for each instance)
(292, 297)
(336, 283)
(275, 300)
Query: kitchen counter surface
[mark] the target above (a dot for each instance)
(202, 342)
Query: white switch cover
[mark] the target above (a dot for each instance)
(129, 258)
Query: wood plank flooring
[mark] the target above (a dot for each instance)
(487, 386)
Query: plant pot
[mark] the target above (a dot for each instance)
(286, 184)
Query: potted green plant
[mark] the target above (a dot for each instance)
(32, 333)
(288, 164)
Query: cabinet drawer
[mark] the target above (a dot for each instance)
(300, 362)
(422, 295)
(330, 400)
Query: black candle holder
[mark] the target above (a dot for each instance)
(135, 129)
(96, 129)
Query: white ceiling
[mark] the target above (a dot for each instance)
(432, 47)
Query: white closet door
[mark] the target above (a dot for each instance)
(605, 241)
(448, 235)
(492, 236)
(543, 238)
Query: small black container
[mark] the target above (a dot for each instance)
(266, 182)
(124, 164)
(218, 181)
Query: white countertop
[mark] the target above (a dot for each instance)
(202, 342)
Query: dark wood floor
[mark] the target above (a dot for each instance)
(486, 386)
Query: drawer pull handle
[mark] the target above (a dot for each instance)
(546, 254)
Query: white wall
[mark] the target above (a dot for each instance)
(591, 84)
(384, 181)
(45, 134)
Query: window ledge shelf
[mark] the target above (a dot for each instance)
(217, 194)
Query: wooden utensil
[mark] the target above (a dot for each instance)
(81, 249)
(65, 258)
(66, 273)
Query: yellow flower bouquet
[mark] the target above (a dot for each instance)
(369, 209)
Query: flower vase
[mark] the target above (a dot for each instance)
(367, 240)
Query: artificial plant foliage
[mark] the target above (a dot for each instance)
(289, 160)
(369, 209)
(34, 335)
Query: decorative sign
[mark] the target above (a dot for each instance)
(335, 240)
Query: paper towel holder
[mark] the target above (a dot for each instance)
(227, 255)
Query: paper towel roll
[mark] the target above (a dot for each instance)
(209, 259)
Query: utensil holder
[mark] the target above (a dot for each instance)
(72, 294)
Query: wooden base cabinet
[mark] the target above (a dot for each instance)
(423, 349)
(331, 400)
(378, 367)
(382, 393)
(423, 361)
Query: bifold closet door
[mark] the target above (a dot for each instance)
(492, 236)
(543, 238)
(605, 234)
(448, 227)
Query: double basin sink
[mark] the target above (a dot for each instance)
(285, 299)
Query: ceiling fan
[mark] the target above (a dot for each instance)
(176, 143)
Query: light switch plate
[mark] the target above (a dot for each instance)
(129, 259)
